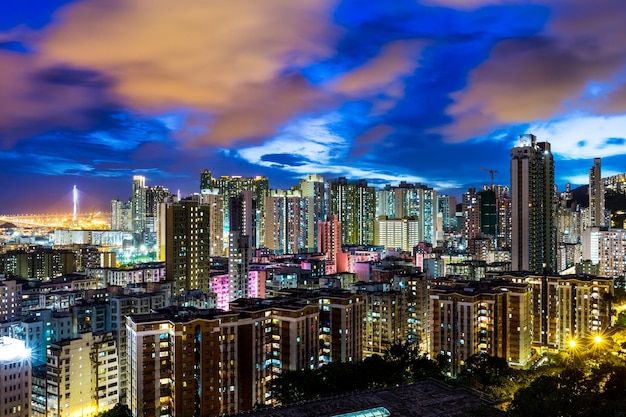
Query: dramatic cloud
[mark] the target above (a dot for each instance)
(234, 59)
(34, 99)
(425, 91)
(546, 76)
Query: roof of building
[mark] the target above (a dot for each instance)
(423, 399)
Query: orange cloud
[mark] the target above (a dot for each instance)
(396, 60)
(224, 57)
(535, 79)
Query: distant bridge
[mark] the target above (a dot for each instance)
(58, 220)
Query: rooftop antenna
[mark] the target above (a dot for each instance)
(491, 172)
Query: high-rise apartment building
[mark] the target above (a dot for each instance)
(503, 222)
(567, 307)
(182, 363)
(239, 256)
(138, 204)
(187, 233)
(493, 317)
(329, 242)
(123, 306)
(605, 248)
(121, 215)
(533, 206)
(471, 215)
(38, 263)
(70, 388)
(341, 316)
(286, 222)
(10, 300)
(354, 203)
(397, 234)
(15, 374)
(596, 195)
(414, 202)
(217, 243)
(313, 189)
(446, 207)
(232, 187)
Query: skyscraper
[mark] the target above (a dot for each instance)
(313, 189)
(354, 203)
(329, 242)
(533, 206)
(286, 221)
(415, 202)
(138, 204)
(187, 245)
(596, 195)
(232, 187)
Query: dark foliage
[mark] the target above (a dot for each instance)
(118, 411)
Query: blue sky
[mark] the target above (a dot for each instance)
(93, 92)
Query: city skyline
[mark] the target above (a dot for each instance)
(94, 92)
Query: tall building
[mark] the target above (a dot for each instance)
(354, 203)
(414, 202)
(567, 307)
(605, 248)
(15, 374)
(181, 364)
(286, 222)
(446, 206)
(313, 189)
(596, 195)
(533, 206)
(341, 318)
(493, 317)
(397, 234)
(206, 181)
(232, 187)
(503, 225)
(38, 263)
(239, 256)
(329, 242)
(121, 215)
(70, 387)
(155, 196)
(217, 243)
(187, 245)
(138, 204)
(210, 363)
(10, 300)
(471, 215)
(123, 306)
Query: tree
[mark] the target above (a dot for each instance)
(119, 410)
(486, 369)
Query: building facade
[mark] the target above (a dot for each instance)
(533, 200)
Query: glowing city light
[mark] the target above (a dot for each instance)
(13, 349)
(572, 343)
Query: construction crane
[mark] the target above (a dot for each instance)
(491, 172)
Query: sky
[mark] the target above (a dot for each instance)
(93, 92)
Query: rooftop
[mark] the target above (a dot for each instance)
(423, 399)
